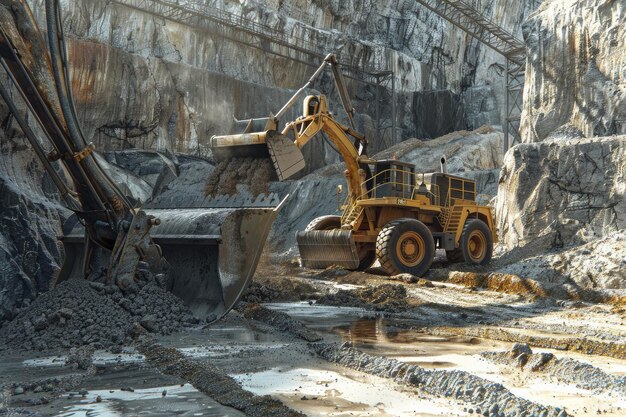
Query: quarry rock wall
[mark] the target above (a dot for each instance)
(576, 69)
(147, 82)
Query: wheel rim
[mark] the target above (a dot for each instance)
(411, 249)
(477, 245)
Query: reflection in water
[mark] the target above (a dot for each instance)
(379, 336)
(180, 400)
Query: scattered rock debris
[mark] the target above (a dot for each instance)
(386, 297)
(229, 176)
(485, 396)
(279, 320)
(210, 380)
(80, 313)
(566, 370)
(584, 345)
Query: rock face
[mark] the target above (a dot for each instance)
(565, 191)
(576, 68)
(30, 222)
(144, 81)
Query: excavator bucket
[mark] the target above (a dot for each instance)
(285, 155)
(212, 252)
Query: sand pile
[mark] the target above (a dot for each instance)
(239, 174)
(82, 313)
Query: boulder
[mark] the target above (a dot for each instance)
(564, 191)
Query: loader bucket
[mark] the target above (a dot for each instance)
(213, 252)
(286, 157)
(320, 249)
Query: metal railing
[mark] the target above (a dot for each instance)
(351, 207)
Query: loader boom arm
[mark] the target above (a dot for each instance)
(306, 128)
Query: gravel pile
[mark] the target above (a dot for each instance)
(488, 398)
(81, 313)
(386, 297)
(566, 370)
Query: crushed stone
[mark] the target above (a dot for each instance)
(278, 320)
(386, 297)
(566, 370)
(486, 396)
(80, 313)
(210, 380)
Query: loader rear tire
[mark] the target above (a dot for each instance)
(476, 242)
(329, 222)
(367, 253)
(405, 246)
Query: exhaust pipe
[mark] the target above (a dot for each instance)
(444, 164)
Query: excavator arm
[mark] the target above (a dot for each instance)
(212, 247)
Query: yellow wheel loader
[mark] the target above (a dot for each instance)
(206, 249)
(388, 215)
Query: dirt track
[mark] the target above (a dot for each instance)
(418, 348)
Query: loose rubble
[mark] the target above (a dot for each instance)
(487, 397)
(566, 370)
(81, 313)
(280, 321)
(229, 177)
(213, 382)
(386, 297)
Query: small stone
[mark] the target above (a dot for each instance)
(520, 348)
(149, 323)
(18, 390)
(539, 361)
(164, 393)
(98, 399)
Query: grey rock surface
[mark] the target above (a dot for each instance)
(30, 221)
(564, 191)
(575, 69)
(158, 84)
(599, 264)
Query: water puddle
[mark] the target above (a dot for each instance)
(319, 392)
(102, 358)
(384, 337)
(180, 400)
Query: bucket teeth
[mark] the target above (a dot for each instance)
(323, 248)
(222, 201)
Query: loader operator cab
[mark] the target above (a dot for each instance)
(393, 179)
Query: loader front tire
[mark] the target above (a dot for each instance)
(476, 242)
(405, 246)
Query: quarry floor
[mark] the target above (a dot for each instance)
(437, 326)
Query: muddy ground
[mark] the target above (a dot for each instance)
(337, 343)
